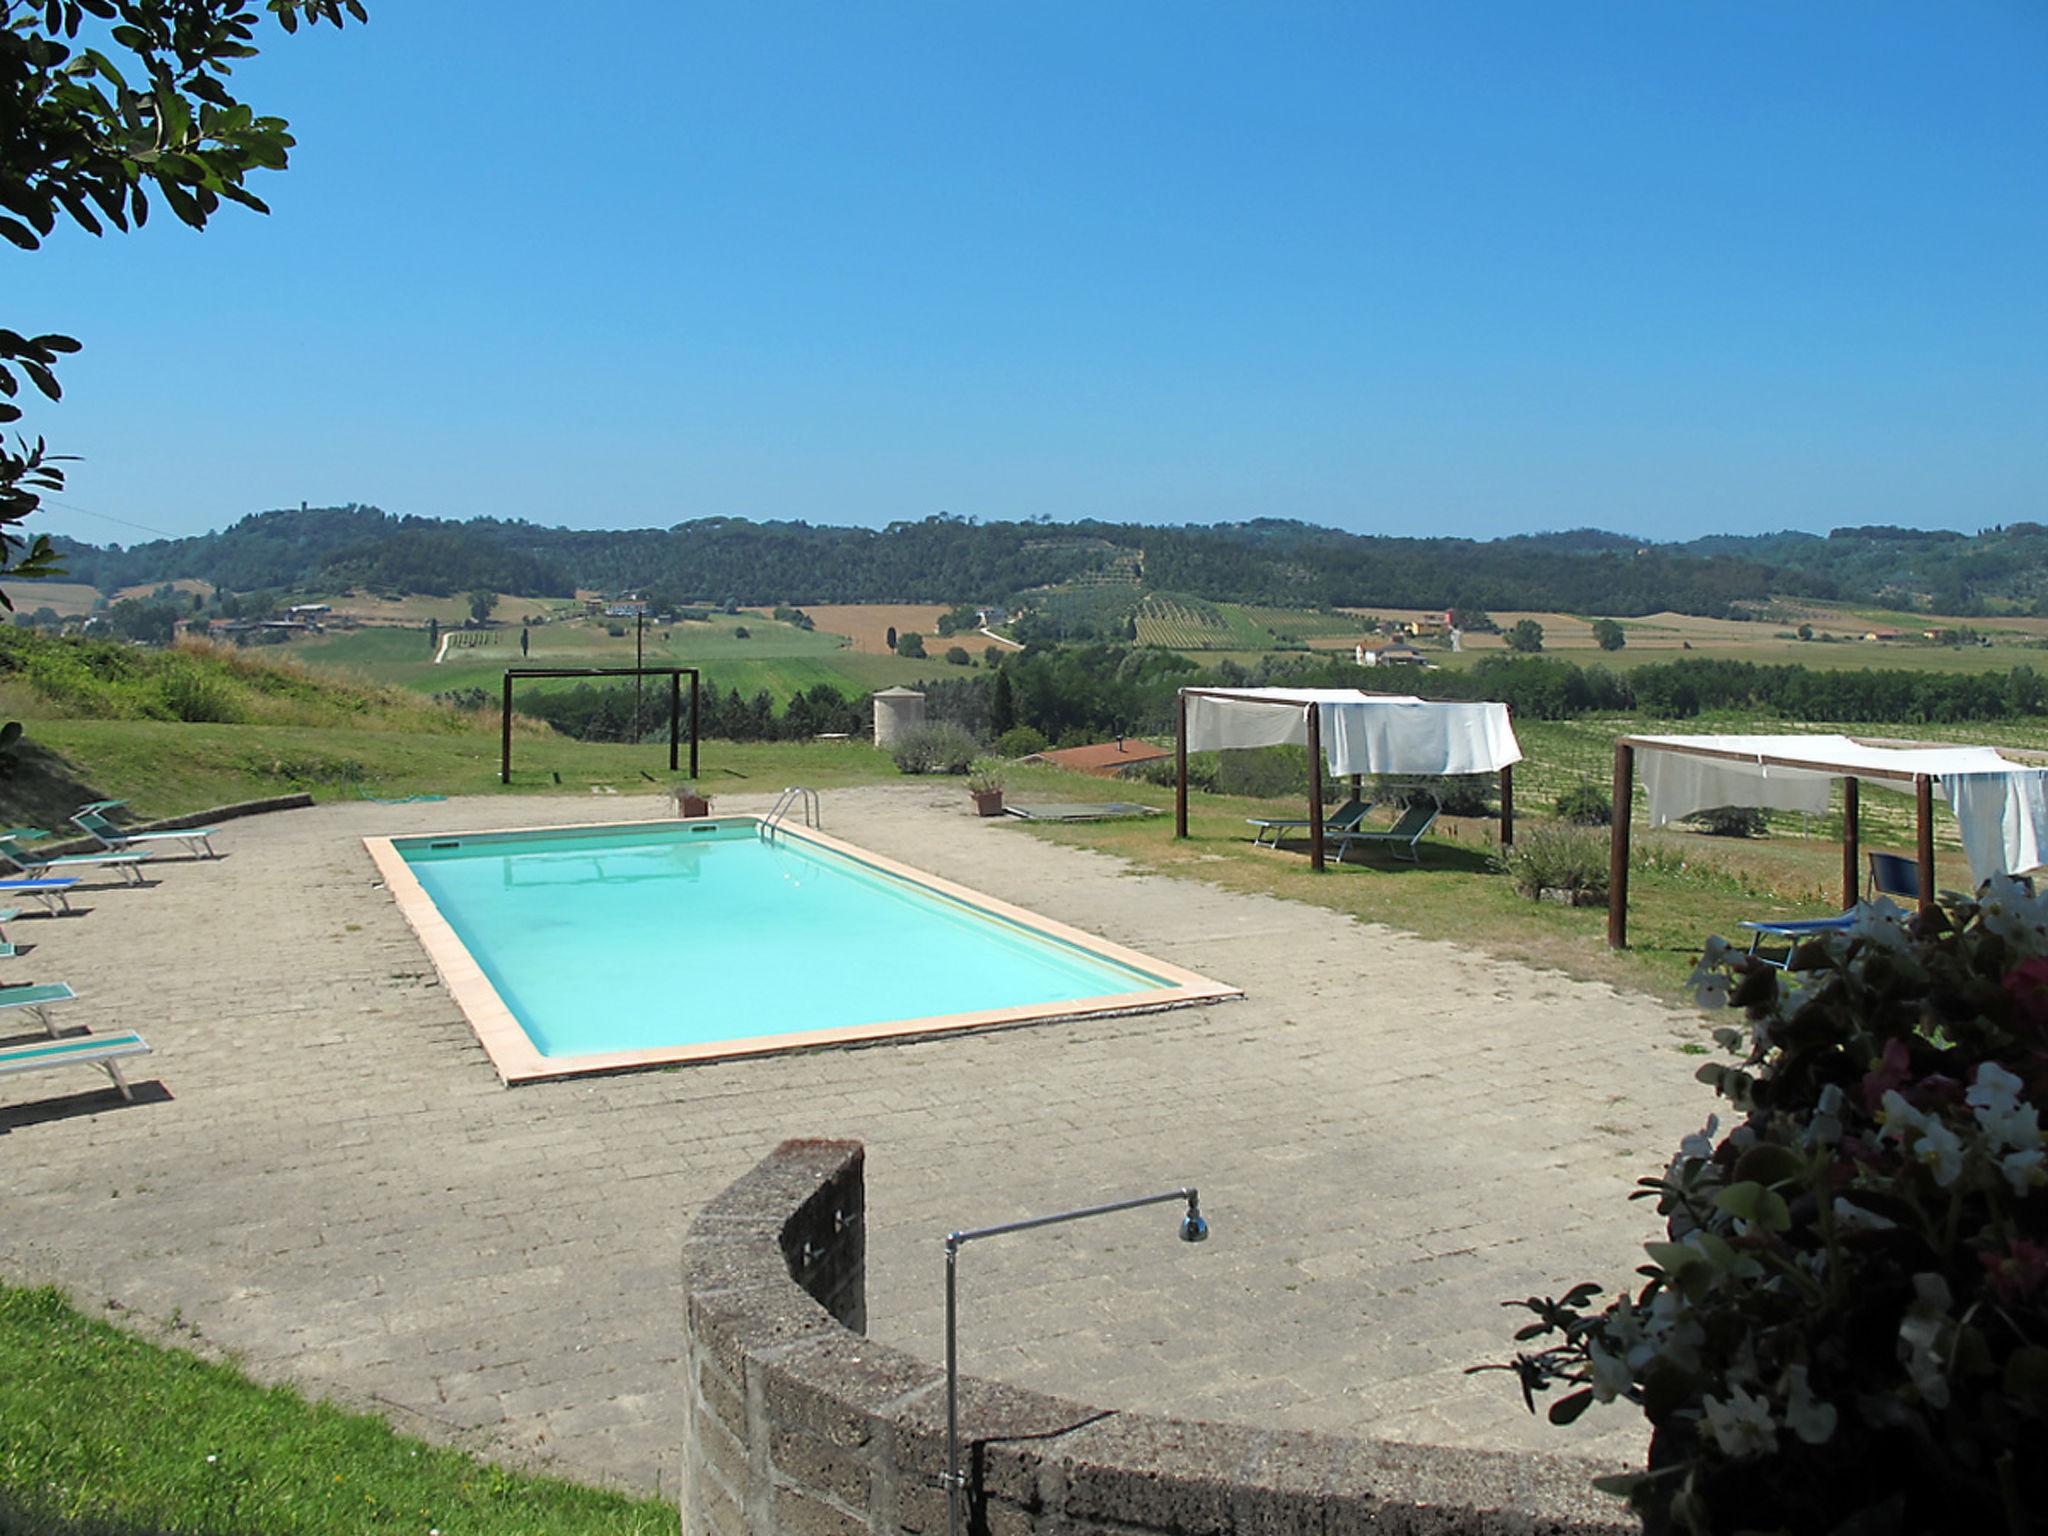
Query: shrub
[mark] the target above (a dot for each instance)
(1020, 741)
(1847, 1329)
(956, 655)
(1565, 858)
(934, 748)
(1731, 821)
(741, 632)
(1465, 794)
(199, 697)
(1204, 770)
(1586, 805)
(985, 774)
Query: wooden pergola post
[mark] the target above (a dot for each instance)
(1617, 845)
(1180, 766)
(1507, 806)
(1315, 788)
(1852, 854)
(1923, 808)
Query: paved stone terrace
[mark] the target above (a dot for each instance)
(1391, 1135)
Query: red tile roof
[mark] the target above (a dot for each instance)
(1106, 759)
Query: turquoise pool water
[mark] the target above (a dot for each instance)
(615, 939)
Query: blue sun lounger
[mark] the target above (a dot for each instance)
(52, 893)
(93, 818)
(1891, 874)
(37, 1001)
(37, 866)
(102, 1051)
(1343, 819)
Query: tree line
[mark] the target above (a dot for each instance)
(955, 560)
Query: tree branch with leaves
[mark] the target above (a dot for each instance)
(105, 105)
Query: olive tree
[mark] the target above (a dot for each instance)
(106, 107)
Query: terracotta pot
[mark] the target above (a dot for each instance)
(692, 805)
(987, 802)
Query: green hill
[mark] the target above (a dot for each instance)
(1268, 562)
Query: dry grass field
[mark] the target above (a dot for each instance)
(867, 625)
(64, 597)
(416, 608)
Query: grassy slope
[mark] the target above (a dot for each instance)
(100, 1423)
(164, 768)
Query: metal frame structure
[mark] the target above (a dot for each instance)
(1193, 1229)
(1316, 839)
(675, 706)
(1625, 749)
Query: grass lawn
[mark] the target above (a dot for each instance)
(1683, 886)
(107, 1428)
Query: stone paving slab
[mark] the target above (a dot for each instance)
(1391, 1136)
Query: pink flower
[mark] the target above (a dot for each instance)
(2016, 1275)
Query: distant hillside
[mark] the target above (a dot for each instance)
(943, 559)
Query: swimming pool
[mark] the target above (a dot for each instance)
(595, 948)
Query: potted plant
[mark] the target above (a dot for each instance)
(692, 801)
(985, 783)
(1846, 1329)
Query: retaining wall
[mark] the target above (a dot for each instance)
(797, 1425)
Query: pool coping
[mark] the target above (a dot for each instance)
(517, 1061)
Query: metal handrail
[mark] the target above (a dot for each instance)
(789, 799)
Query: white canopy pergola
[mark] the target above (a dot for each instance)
(1351, 732)
(2001, 805)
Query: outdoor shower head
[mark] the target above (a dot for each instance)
(1192, 1228)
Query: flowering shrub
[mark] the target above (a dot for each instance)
(1569, 860)
(1847, 1328)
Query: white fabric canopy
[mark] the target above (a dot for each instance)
(2001, 806)
(1362, 732)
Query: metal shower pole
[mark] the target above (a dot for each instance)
(1193, 1229)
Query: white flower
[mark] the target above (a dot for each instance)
(2009, 1121)
(1611, 1375)
(1701, 1142)
(1709, 989)
(2014, 913)
(1741, 1426)
(1810, 1420)
(1853, 1218)
(1923, 1332)
(1825, 1128)
(1880, 923)
(1942, 1152)
(1668, 1331)
(1898, 1117)
(2023, 1170)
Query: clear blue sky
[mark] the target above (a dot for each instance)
(1394, 267)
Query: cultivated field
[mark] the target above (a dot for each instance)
(867, 625)
(1195, 624)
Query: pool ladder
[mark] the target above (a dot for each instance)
(786, 803)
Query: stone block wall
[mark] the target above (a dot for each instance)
(797, 1425)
